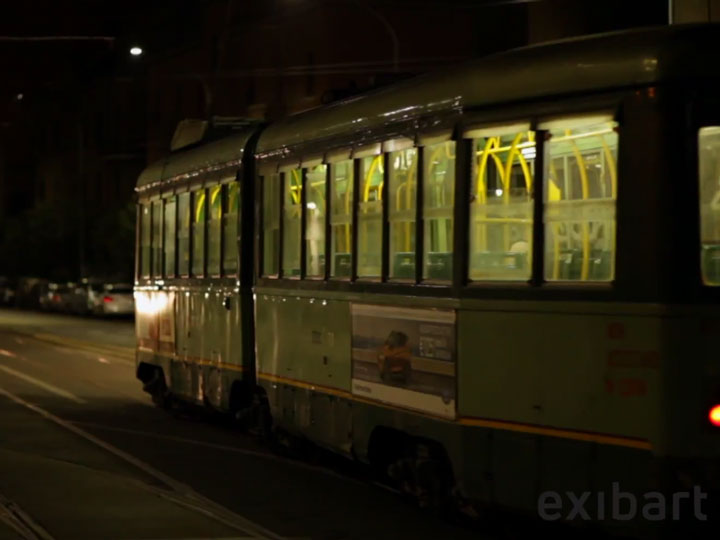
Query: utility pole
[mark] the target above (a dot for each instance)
(81, 197)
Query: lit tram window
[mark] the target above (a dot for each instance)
(291, 223)
(198, 233)
(214, 230)
(580, 197)
(501, 203)
(369, 219)
(157, 247)
(709, 178)
(231, 232)
(271, 224)
(341, 231)
(402, 197)
(438, 201)
(145, 240)
(170, 229)
(315, 221)
(184, 234)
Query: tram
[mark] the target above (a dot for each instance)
(508, 270)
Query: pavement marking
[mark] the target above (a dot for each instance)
(103, 360)
(9, 354)
(20, 521)
(190, 498)
(42, 384)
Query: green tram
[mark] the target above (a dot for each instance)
(508, 270)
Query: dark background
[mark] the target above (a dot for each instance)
(80, 117)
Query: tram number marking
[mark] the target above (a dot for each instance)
(626, 386)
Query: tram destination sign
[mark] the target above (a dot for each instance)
(405, 357)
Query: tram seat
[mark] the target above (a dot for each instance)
(571, 264)
(711, 262)
(493, 261)
(439, 265)
(404, 265)
(343, 264)
(600, 264)
(570, 267)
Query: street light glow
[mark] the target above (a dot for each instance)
(136, 51)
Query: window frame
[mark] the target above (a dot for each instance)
(460, 284)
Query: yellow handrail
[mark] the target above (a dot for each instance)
(585, 183)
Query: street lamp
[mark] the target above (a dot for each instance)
(136, 51)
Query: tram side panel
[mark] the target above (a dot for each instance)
(574, 397)
(304, 366)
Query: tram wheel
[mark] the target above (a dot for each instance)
(158, 390)
(424, 474)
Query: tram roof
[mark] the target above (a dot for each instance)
(589, 63)
(212, 156)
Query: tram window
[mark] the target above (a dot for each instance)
(184, 234)
(214, 230)
(198, 233)
(501, 206)
(157, 254)
(145, 240)
(369, 217)
(271, 224)
(709, 172)
(291, 223)
(315, 221)
(438, 199)
(169, 247)
(230, 226)
(341, 231)
(580, 195)
(401, 209)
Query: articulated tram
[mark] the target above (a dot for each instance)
(509, 269)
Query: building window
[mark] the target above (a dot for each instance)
(292, 214)
(214, 230)
(170, 226)
(438, 201)
(501, 207)
(369, 217)
(231, 236)
(271, 224)
(198, 233)
(145, 240)
(184, 234)
(341, 230)
(315, 221)
(580, 195)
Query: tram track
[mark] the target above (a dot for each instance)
(173, 491)
(20, 521)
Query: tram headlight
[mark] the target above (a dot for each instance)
(714, 415)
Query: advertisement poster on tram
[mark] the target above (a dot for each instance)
(405, 357)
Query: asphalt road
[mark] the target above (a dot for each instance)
(84, 454)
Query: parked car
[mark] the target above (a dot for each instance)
(61, 296)
(114, 299)
(7, 292)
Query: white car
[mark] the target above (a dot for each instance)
(114, 299)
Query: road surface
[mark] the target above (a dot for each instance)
(84, 454)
